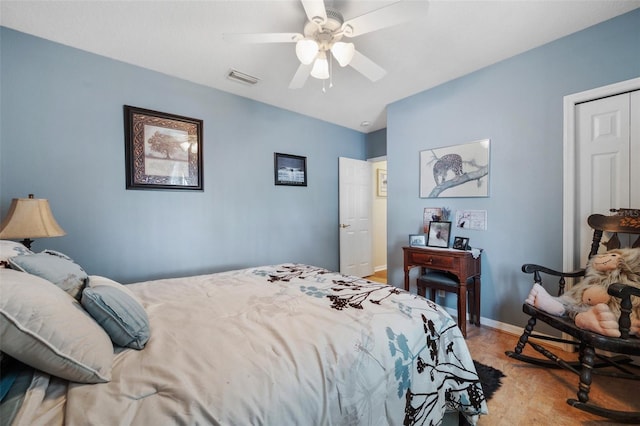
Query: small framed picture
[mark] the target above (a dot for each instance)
(290, 169)
(460, 243)
(439, 233)
(430, 214)
(418, 240)
(382, 183)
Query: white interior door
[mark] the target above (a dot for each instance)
(604, 160)
(355, 217)
(573, 216)
(634, 151)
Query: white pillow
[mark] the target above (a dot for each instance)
(10, 249)
(44, 327)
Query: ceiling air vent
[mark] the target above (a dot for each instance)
(243, 78)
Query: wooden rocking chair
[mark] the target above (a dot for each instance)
(618, 364)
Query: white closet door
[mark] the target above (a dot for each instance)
(635, 149)
(605, 154)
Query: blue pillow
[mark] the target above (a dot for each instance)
(53, 267)
(118, 311)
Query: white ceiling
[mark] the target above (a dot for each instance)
(184, 39)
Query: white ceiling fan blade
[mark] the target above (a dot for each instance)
(301, 76)
(315, 10)
(387, 16)
(263, 37)
(367, 67)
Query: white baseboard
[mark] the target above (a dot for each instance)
(380, 268)
(516, 331)
(506, 328)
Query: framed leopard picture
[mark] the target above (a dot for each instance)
(455, 171)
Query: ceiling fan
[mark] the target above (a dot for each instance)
(323, 34)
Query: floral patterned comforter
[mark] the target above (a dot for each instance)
(281, 345)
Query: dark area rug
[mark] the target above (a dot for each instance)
(490, 379)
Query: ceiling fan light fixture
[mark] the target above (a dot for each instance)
(306, 50)
(320, 68)
(343, 52)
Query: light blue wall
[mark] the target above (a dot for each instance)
(518, 105)
(62, 138)
(377, 143)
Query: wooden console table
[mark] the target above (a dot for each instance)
(460, 263)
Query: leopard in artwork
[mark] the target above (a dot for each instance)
(445, 163)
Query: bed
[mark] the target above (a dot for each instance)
(285, 344)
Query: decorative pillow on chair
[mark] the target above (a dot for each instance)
(54, 267)
(10, 249)
(118, 311)
(46, 328)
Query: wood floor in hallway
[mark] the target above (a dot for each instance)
(379, 276)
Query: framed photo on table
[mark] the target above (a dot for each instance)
(418, 240)
(439, 233)
(162, 150)
(460, 243)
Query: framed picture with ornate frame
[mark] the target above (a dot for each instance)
(439, 233)
(162, 150)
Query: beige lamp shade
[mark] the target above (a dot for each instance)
(30, 218)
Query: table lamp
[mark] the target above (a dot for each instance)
(29, 218)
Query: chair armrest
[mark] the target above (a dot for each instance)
(531, 268)
(624, 293)
(623, 290)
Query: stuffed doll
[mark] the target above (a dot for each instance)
(588, 302)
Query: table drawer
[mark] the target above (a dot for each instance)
(435, 261)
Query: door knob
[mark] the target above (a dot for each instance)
(342, 225)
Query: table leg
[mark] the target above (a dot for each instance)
(476, 293)
(406, 278)
(462, 308)
(471, 301)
